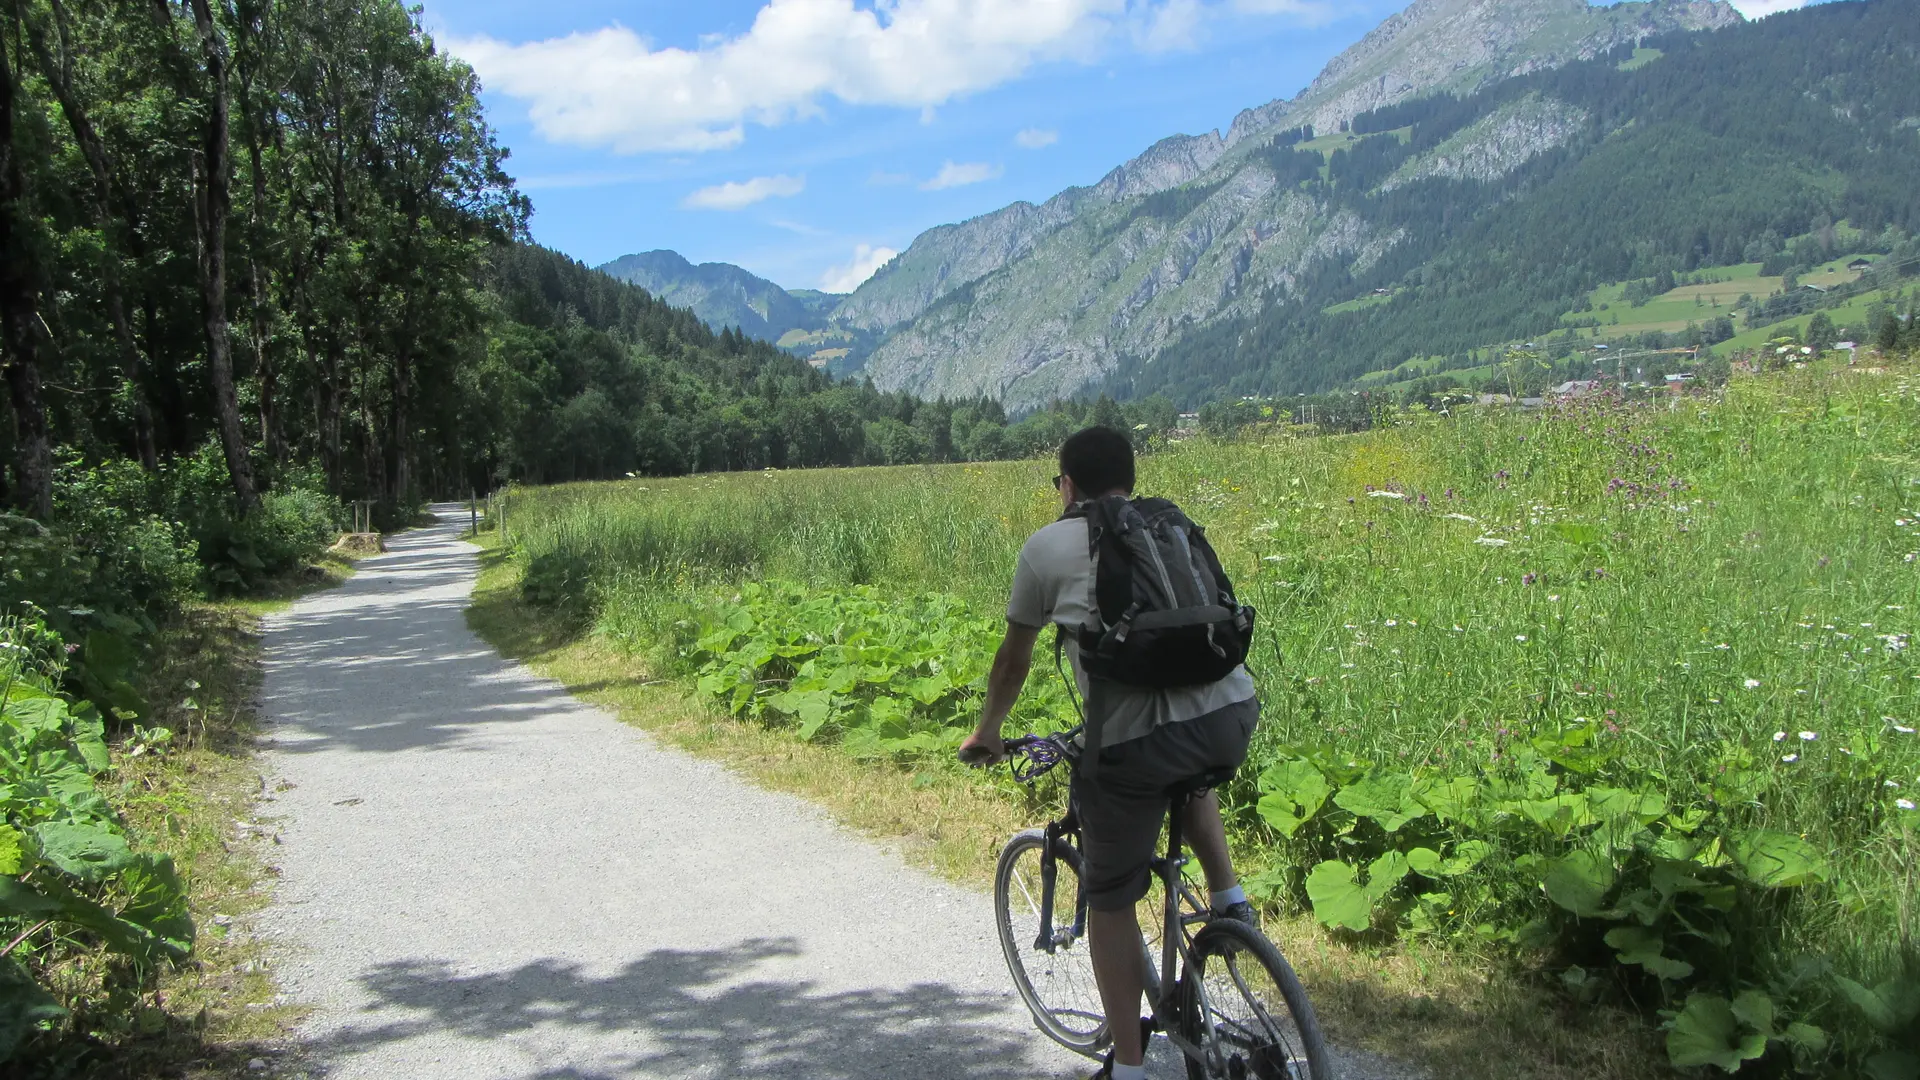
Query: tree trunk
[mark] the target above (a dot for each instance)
(20, 324)
(59, 74)
(215, 205)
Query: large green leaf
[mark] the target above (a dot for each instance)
(1294, 791)
(1464, 857)
(1338, 897)
(1707, 1033)
(24, 1007)
(89, 852)
(1889, 1008)
(157, 901)
(1777, 860)
(1579, 882)
(1646, 947)
(1450, 800)
(1386, 798)
(11, 852)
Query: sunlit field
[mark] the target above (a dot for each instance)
(1624, 688)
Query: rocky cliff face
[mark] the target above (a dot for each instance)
(1031, 303)
(1463, 45)
(943, 259)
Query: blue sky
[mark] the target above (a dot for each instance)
(807, 139)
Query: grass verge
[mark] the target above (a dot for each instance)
(194, 797)
(1452, 1014)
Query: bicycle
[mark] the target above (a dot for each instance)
(1236, 1011)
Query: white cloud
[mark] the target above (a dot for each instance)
(737, 195)
(1760, 9)
(866, 260)
(610, 87)
(1173, 27)
(961, 174)
(1036, 138)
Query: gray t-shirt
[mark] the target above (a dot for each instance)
(1054, 584)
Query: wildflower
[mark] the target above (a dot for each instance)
(1808, 736)
(1789, 758)
(1723, 646)
(1528, 578)
(1463, 517)
(1895, 784)
(1779, 736)
(1458, 629)
(1519, 637)
(1272, 558)
(1752, 684)
(1553, 599)
(1903, 729)
(1393, 622)
(1385, 495)
(1491, 541)
(1904, 804)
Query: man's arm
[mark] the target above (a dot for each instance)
(1010, 665)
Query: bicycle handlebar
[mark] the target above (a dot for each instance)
(1029, 757)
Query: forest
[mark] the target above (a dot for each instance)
(1708, 156)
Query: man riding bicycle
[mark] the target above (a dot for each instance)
(1148, 741)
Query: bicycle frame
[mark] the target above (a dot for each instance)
(1182, 910)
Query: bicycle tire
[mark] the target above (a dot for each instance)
(1260, 1010)
(1065, 1000)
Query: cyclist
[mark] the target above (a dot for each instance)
(1151, 740)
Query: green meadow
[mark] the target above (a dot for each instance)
(1619, 691)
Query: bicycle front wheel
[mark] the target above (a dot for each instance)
(1050, 962)
(1254, 1021)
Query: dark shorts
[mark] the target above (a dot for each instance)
(1123, 805)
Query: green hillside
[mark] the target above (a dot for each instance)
(1702, 160)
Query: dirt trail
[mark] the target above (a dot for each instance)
(481, 877)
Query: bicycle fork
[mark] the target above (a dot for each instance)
(1050, 938)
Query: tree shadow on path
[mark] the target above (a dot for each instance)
(698, 1013)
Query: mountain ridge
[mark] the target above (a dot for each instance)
(721, 294)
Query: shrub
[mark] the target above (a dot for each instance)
(559, 581)
(71, 884)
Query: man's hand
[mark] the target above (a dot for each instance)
(981, 750)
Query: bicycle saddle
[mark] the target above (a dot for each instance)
(1206, 781)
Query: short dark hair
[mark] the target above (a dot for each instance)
(1098, 460)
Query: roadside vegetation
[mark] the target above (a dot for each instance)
(1611, 700)
(127, 854)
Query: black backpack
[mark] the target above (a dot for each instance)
(1166, 612)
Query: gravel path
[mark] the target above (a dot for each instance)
(482, 877)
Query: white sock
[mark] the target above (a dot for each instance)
(1226, 898)
(1129, 1072)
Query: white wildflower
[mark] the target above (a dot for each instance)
(1752, 684)
(1779, 736)
(1492, 541)
(1393, 622)
(1789, 758)
(1808, 736)
(1904, 804)
(1519, 637)
(1462, 517)
(1385, 495)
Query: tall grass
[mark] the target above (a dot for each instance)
(1716, 583)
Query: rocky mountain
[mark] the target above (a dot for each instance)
(724, 295)
(1031, 302)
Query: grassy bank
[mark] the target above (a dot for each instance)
(185, 782)
(1518, 671)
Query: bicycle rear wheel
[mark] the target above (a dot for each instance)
(1260, 1022)
(1057, 985)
